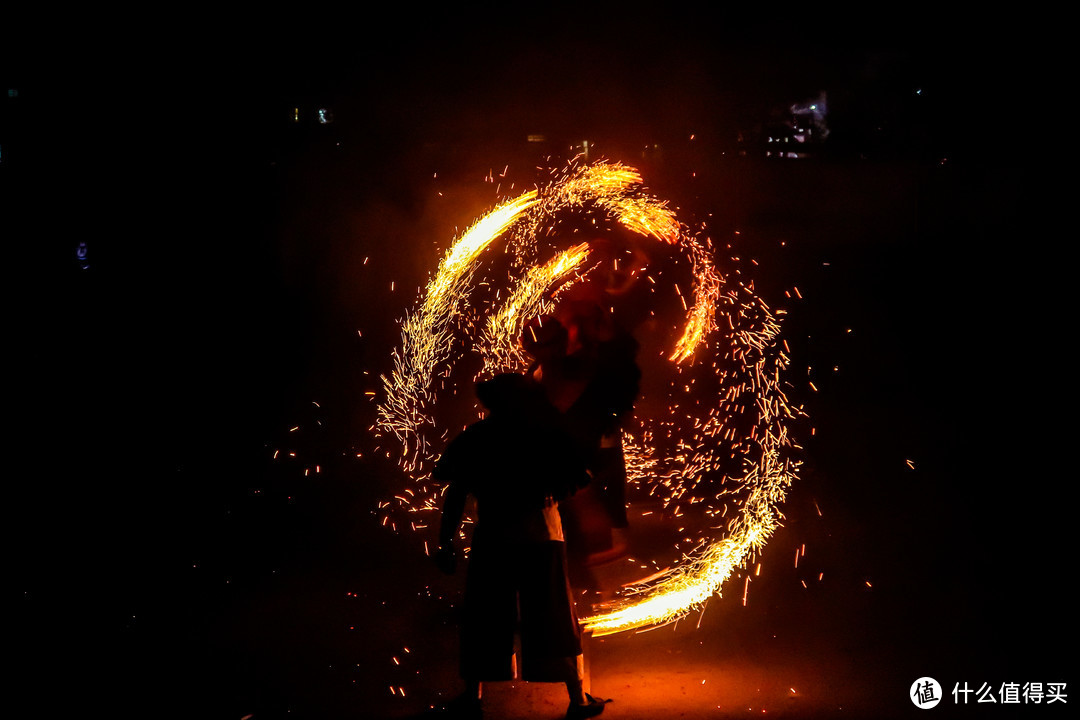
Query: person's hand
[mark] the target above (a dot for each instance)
(446, 559)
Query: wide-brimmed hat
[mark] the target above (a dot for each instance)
(506, 391)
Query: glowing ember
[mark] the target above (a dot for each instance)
(527, 301)
(696, 459)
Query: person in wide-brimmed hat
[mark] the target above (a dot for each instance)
(518, 463)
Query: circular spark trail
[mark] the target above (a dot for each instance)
(696, 458)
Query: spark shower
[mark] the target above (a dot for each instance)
(722, 440)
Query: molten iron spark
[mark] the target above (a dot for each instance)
(696, 459)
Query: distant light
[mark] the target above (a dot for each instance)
(325, 116)
(536, 138)
(918, 91)
(13, 92)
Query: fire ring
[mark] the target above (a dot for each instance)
(732, 449)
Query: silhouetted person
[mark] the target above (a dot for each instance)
(589, 372)
(518, 463)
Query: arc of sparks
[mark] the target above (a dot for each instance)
(427, 347)
(527, 301)
(426, 335)
(672, 595)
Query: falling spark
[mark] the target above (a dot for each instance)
(736, 443)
